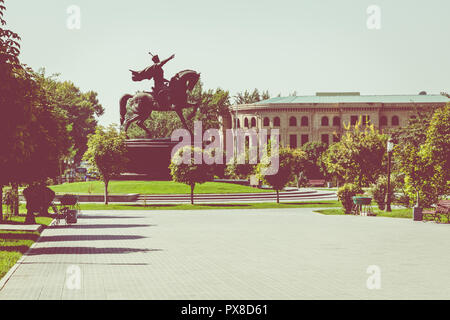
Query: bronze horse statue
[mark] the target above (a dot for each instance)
(173, 97)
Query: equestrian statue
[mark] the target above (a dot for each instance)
(165, 95)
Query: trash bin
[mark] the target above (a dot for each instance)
(71, 216)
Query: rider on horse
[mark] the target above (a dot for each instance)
(158, 73)
(165, 96)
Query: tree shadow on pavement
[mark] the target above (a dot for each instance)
(88, 238)
(83, 216)
(85, 250)
(102, 226)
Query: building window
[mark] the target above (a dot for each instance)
(305, 122)
(336, 137)
(305, 139)
(246, 123)
(325, 139)
(292, 121)
(365, 120)
(325, 121)
(276, 122)
(353, 120)
(383, 121)
(253, 123)
(266, 122)
(395, 121)
(293, 141)
(336, 121)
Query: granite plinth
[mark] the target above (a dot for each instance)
(149, 159)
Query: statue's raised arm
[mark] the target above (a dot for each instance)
(167, 60)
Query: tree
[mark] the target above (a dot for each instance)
(423, 156)
(299, 164)
(240, 167)
(184, 170)
(358, 157)
(314, 167)
(10, 102)
(247, 97)
(288, 163)
(107, 153)
(437, 145)
(80, 109)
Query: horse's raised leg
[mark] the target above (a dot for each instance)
(183, 121)
(128, 122)
(141, 124)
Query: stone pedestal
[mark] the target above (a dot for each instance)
(149, 159)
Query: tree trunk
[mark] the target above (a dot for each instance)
(278, 196)
(15, 188)
(106, 191)
(192, 193)
(30, 218)
(1, 202)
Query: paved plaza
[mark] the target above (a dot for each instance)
(234, 254)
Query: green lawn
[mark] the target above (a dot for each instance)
(396, 213)
(13, 244)
(151, 187)
(270, 205)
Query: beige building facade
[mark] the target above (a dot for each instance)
(324, 116)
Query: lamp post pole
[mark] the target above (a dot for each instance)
(235, 133)
(390, 147)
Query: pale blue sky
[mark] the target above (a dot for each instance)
(282, 46)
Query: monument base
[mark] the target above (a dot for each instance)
(149, 159)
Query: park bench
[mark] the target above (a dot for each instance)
(317, 183)
(442, 209)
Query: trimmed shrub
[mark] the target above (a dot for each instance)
(378, 192)
(345, 195)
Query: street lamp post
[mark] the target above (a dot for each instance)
(390, 147)
(235, 133)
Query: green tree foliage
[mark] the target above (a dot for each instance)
(437, 145)
(299, 164)
(80, 109)
(345, 195)
(9, 43)
(314, 167)
(423, 155)
(289, 162)
(379, 190)
(107, 153)
(358, 157)
(32, 135)
(240, 167)
(13, 102)
(39, 123)
(247, 97)
(184, 170)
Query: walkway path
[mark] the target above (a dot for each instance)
(234, 254)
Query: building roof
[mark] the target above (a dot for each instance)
(435, 98)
